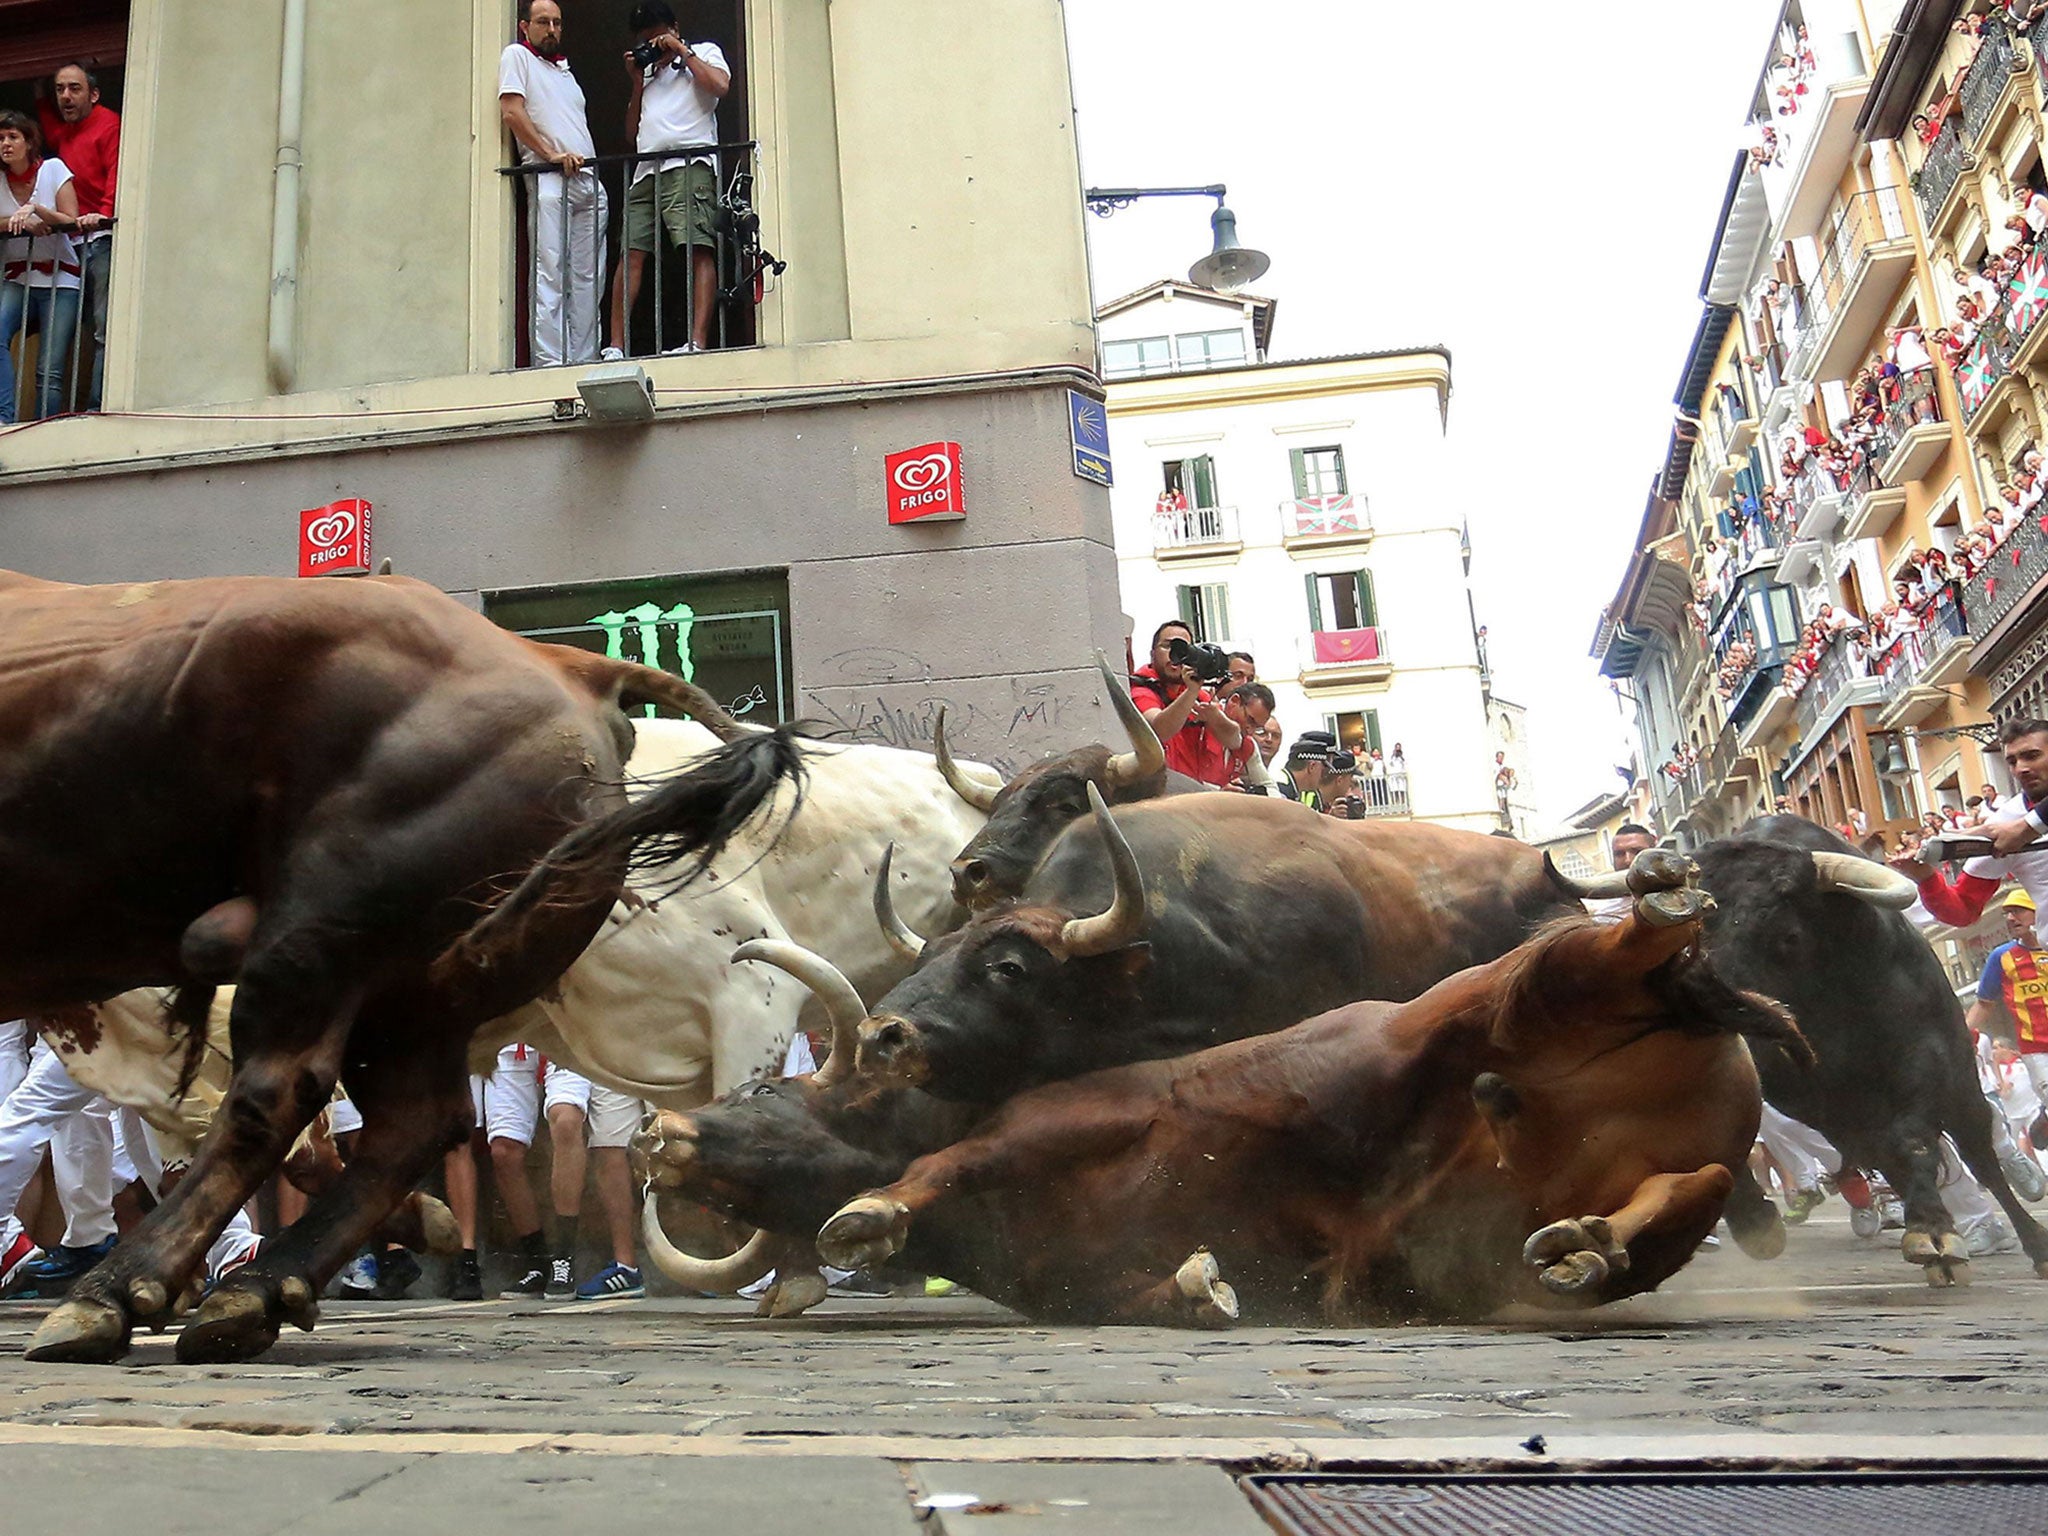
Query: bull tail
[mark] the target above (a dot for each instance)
(187, 1010)
(691, 816)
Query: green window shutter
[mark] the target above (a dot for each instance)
(1343, 474)
(1368, 608)
(1216, 609)
(1372, 730)
(1299, 464)
(1188, 603)
(1315, 605)
(1203, 492)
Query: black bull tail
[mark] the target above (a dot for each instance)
(691, 816)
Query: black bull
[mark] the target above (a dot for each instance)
(1896, 1069)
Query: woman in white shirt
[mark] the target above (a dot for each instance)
(38, 263)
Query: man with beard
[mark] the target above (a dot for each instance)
(87, 138)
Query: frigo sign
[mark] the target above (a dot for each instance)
(334, 540)
(923, 484)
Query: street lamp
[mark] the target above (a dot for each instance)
(1228, 266)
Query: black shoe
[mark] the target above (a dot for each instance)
(561, 1283)
(396, 1271)
(468, 1282)
(529, 1286)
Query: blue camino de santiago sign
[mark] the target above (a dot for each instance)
(1088, 426)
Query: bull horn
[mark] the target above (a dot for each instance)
(1146, 757)
(1865, 879)
(721, 1277)
(1125, 919)
(1600, 888)
(842, 1004)
(975, 793)
(902, 938)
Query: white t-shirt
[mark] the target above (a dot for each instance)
(553, 100)
(1910, 352)
(675, 111)
(39, 261)
(2030, 869)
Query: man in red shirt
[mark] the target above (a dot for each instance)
(87, 138)
(1202, 741)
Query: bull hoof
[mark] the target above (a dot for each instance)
(1572, 1257)
(1765, 1240)
(1200, 1280)
(299, 1302)
(1668, 909)
(1919, 1248)
(792, 1295)
(664, 1151)
(1944, 1273)
(1660, 869)
(865, 1234)
(234, 1323)
(81, 1332)
(2041, 1270)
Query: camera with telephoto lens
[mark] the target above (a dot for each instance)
(648, 54)
(1207, 662)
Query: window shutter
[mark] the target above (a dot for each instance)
(1315, 605)
(1299, 464)
(1203, 492)
(1368, 609)
(1343, 475)
(1188, 601)
(1372, 730)
(1216, 609)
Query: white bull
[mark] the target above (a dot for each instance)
(655, 1008)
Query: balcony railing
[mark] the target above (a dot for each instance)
(1985, 81)
(1908, 656)
(1988, 360)
(1381, 797)
(1191, 528)
(1326, 517)
(1917, 404)
(1941, 170)
(564, 228)
(2007, 577)
(1835, 673)
(1869, 218)
(1342, 651)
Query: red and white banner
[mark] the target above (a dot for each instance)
(1334, 646)
(334, 540)
(923, 484)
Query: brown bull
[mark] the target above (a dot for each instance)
(1557, 1125)
(309, 788)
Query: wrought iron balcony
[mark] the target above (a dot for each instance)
(1940, 171)
(1988, 360)
(1985, 82)
(2007, 577)
(1870, 218)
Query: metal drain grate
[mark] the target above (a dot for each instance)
(1654, 1504)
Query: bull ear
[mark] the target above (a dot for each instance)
(1134, 960)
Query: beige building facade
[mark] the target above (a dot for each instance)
(271, 349)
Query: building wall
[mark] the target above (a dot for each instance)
(1386, 414)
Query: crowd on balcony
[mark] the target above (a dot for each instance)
(1684, 759)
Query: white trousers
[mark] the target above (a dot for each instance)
(48, 1109)
(568, 266)
(138, 1157)
(1800, 1150)
(1969, 1206)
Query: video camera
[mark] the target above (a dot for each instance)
(1208, 662)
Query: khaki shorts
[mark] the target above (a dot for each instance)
(689, 207)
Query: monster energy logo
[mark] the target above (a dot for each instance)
(647, 621)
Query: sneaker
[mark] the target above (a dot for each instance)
(1892, 1214)
(530, 1286)
(859, 1283)
(2025, 1176)
(396, 1271)
(1990, 1236)
(619, 1280)
(54, 1272)
(358, 1282)
(683, 351)
(1864, 1221)
(1802, 1203)
(19, 1255)
(611, 355)
(468, 1281)
(561, 1282)
(1709, 1243)
(1853, 1187)
(939, 1285)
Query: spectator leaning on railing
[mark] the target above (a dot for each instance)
(542, 105)
(39, 280)
(87, 138)
(674, 105)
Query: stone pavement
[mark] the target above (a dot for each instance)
(851, 1415)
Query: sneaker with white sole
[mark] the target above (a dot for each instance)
(2024, 1175)
(529, 1286)
(620, 1281)
(20, 1253)
(611, 355)
(561, 1284)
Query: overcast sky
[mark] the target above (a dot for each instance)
(1534, 186)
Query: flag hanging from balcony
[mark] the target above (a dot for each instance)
(1975, 378)
(1336, 646)
(2028, 295)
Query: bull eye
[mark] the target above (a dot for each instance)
(1008, 969)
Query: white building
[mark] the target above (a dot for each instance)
(1317, 533)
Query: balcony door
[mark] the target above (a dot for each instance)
(1194, 479)
(1342, 600)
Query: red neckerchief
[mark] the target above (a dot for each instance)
(35, 169)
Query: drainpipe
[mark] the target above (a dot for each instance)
(284, 227)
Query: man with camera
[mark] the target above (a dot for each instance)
(1202, 741)
(676, 90)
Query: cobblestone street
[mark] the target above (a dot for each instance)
(1836, 1352)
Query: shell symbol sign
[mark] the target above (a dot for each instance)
(923, 484)
(334, 540)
